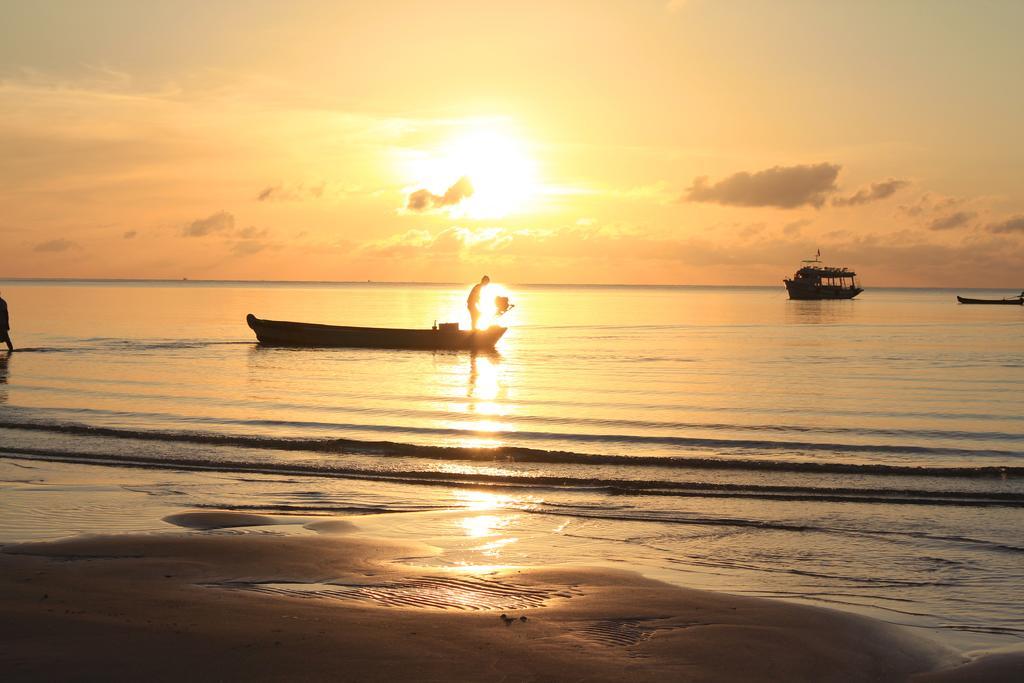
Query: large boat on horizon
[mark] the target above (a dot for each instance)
(816, 281)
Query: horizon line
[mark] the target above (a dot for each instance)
(428, 282)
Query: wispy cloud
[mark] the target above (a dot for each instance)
(874, 193)
(202, 227)
(452, 240)
(784, 187)
(953, 220)
(252, 232)
(56, 245)
(930, 203)
(292, 193)
(248, 247)
(793, 228)
(1010, 225)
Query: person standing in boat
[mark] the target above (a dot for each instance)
(473, 302)
(5, 326)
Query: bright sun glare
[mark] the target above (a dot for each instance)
(497, 163)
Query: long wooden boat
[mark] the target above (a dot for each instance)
(445, 338)
(1013, 301)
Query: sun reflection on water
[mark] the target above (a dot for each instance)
(494, 527)
(489, 427)
(482, 500)
(476, 416)
(474, 468)
(484, 525)
(476, 442)
(494, 548)
(483, 386)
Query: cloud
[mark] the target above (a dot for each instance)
(423, 200)
(785, 187)
(56, 245)
(1012, 224)
(130, 234)
(793, 229)
(420, 200)
(293, 193)
(252, 232)
(211, 224)
(953, 220)
(408, 243)
(910, 257)
(752, 230)
(451, 241)
(873, 193)
(930, 203)
(248, 247)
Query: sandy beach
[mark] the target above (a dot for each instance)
(228, 596)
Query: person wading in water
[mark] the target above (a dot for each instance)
(5, 326)
(473, 302)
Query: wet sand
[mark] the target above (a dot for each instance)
(241, 600)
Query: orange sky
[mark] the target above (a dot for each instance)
(690, 142)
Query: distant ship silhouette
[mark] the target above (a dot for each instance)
(815, 281)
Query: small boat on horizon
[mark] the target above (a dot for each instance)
(443, 337)
(814, 281)
(1011, 301)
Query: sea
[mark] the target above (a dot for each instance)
(865, 455)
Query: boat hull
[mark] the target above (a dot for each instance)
(283, 333)
(808, 292)
(1017, 301)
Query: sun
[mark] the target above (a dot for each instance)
(502, 174)
(497, 163)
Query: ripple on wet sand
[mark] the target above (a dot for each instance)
(425, 592)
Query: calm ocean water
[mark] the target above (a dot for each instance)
(867, 454)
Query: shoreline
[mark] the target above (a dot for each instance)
(210, 594)
(48, 501)
(227, 596)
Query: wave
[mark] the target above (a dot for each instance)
(599, 422)
(645, 487)
(522, 454)
(538, 455)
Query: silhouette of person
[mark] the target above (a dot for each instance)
(5, 326)
(473, 302)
